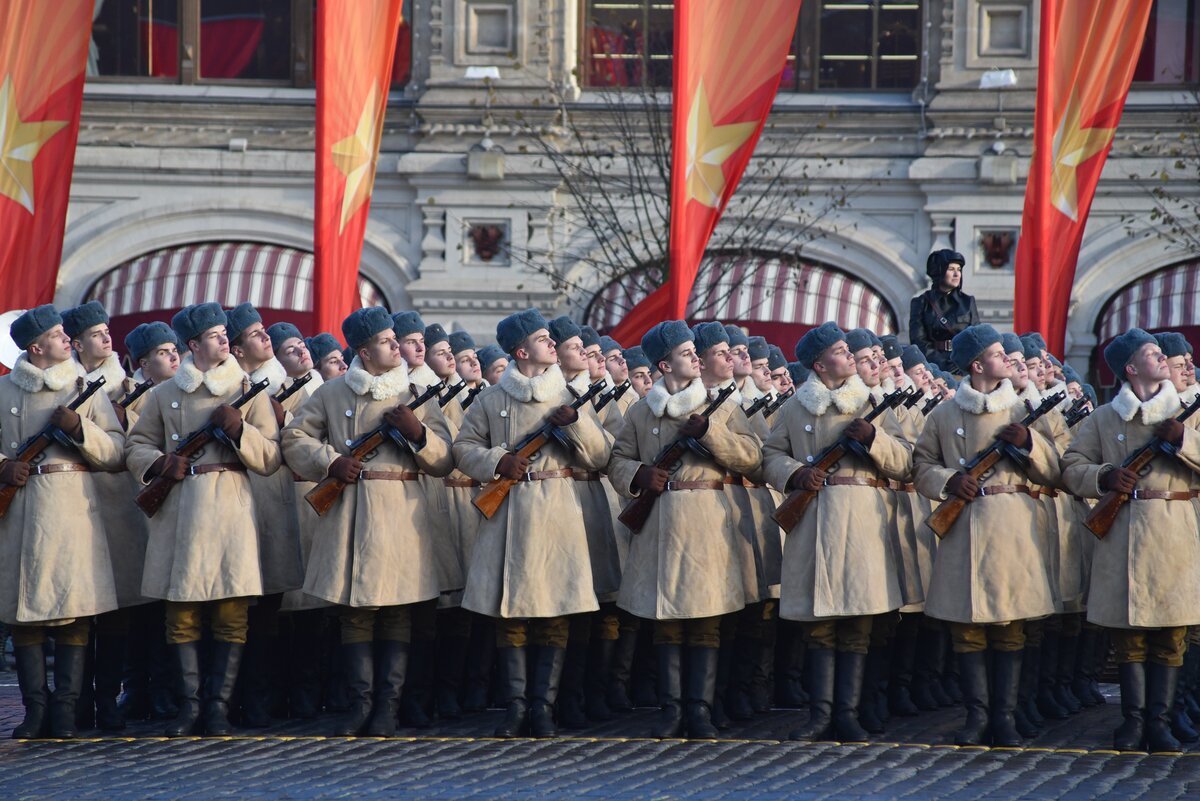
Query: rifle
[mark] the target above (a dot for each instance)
(471, 394)
(32, 448)
(135, 393)
(604, 399)
(151, 499)
(1076, 412)
(791, 511)
(634, 515)
(1101, 518)
(489, 499)
(284, 394)
(449, 396)
(774, 407)
(322, 497)
(942, 519)
(932, 403)
(1078, 417)
(757, 406)
(914, 399)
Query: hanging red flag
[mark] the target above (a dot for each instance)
(728, 60)
(43, 56)
(1088, 52)
(355, 47)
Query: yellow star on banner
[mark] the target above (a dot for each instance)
(1073, 145)
(355, 158)
(20, 142)
(708, 146)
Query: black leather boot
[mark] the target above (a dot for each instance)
(1131, 734)
(305, 650)
(600, 653)
(134, 701)
(110, 666)
(1047, 701)
(847, 693)
(418, 690)
(762, 686)
(481, 652)
(358, 670)
(620, 667)
(85, 704)
(741, 678)
(876, 665)
(547, 673)
(789, 667)
(904, 656)
(1085, 656)
(68, 681)
(1160, 694)
(1027, 698)
(1067, 649)
(391, 663)
(31, 676)
(951, 683)
(972, 670)
(512, 683)
(670, 691)
(1006, 680)
(161, 667)
(451, 667)
(186, 657)
(570, 697)
(254, 688)
(719, 713)
(821, 668)
(927, 693)
(225, 660)
(1099, 662)
(701, 690)
(643, 677)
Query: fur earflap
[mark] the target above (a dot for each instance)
(53, 378)
(422, 376)
(848, 398)
(550, 385)
(220, 380)
(381, 387)
(274, 373)
(679, 405)
(973, 401)
(1164, 404)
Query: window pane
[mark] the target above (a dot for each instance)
(249, 39)
(660, 42)
(127, 40)
(615, 44)
(899, 46)
(1169, 49)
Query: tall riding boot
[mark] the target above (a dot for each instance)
(110, 666)
(1181, 722)
(600, 654)
(620, 667)
(85, 706)
(547, 673)
(254, 688)
(873, 672)
(927, 692)
(972, 670)
(358, 669)
(1160, 694)
(1085, 655)
(951, 683)
(134, 701)
(415, 701)
(643, 679)
(186, 656)
(160, 665)
(719, 712)
(789, 667)
(31, 676)
(701, 690)
(1006, 679)
(821, 668)
(762, 687)
(1067, 649)
(670, 691)
(1031, 665)
(304, 649)
(68, 681)
(1099, 663)
(741, 678)
(391, 662)
(512, 683)
(847, 693)
(570, 697)
(1047, 703)
(451, 667)
(1131, 734)
(1191, 669)
(481, 652)
(225, 659)
(904, 656)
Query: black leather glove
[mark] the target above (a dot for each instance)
(695, 427)
(404, 420)
(810, 479)
(563, 416)
(861, 431)
(512, 466)
(1120, 479)
(345, 469)
(649, 477)
(964, 486)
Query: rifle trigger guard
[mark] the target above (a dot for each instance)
(558, 436)
(398, 438)
(695, 447)
(857, 448)
(220, 436)
(1168, 448)
(62, 438)
(1145, 471)
(1017, 455)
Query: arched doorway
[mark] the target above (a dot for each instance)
(277, 280)
(777, 297)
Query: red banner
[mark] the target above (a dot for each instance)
(729, 58)
(1087, 56)
(43, 55)
(355, 47)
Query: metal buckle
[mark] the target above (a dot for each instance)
(671, 486)
(983, 492)
(529, 476)
(191, 471)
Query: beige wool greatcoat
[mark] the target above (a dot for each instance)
(754, 501)
(991, 567)
(841, 559)
(531, 559)
(296, 600)
(687, 561)
(1144, 573)
(203, 542)
(55, 564)
(375, 546)
(597, 512)
(916, 542)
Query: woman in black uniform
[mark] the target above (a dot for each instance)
(938, 313)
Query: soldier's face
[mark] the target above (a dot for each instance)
(683, 363)
(52, 347)
(1149, 364)
(441, 360)
(595, 360)
(836, 364)
(741, 361)
(294, 356)
(161, 364)
(781, 379)
(867, 367)
(467, 363)
(210, 348)
(717, 363)
(760, 374)
(571, 357)
(332, 365)
(921, 378)
(1019, 374)
(1177, 365)
(254, 345)
(614, 363)
(381, 353)
(640, 380)
(412, 349)
(992, 365)
(1037, 373)
(894, 369)
(94, 344)
(540, 350)
(1075, 390)
(495, 370)
(1190, 375)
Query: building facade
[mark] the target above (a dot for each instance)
(194, 171)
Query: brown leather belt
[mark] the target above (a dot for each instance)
(738, 480)
(1004, 489)
(218, 467)
(60, 467)
(388, 475)
(1160, 495)
(461, 483)
(944, 345)
(542, 475)
(853, 481)
(900, 486)
(1047, 492)
(714, 484)
(586, 475)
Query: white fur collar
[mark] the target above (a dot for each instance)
(138, 377)
(580, 384)
(547, 386)
(889, 385)
(877, 392)
(314, 382)
(1067, 400)
(422, 376)
(973, 401)
(1189, 395)
(1030, 395)
(381, 387)
(848, 398)
(735, 396)
(53, 378)
(112, 372)
(220, 380)
(274, 373)
(679, 405)
(1164, 404)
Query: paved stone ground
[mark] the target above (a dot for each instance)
(458, 760)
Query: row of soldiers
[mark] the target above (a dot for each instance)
(407, 430)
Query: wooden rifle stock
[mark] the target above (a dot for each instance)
(135, 393)
(789, 513)
(151, 499)
(490, 497)
(323, 496)
(635, 515)
(1104, 513)
(283, 394)
(943, 518)
(32, 448)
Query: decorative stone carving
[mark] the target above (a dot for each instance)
(487, 239)
(997, 247)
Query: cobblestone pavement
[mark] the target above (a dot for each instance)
(293, 761)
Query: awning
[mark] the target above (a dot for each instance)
(1167, 299)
